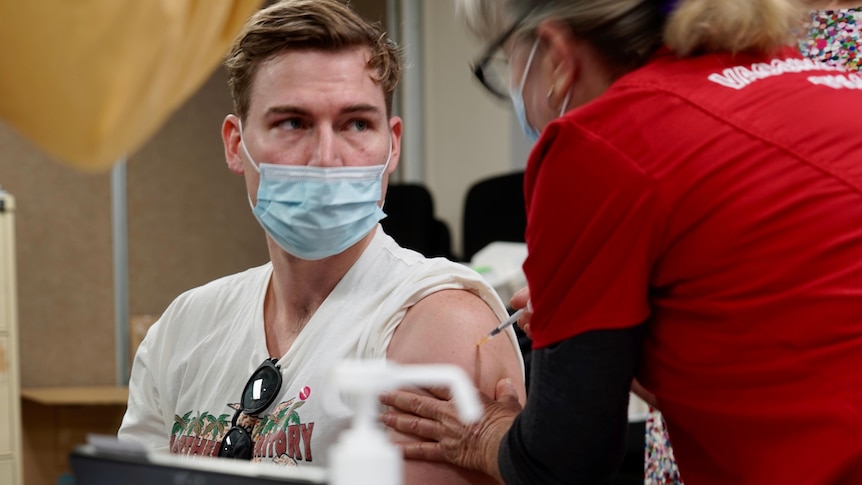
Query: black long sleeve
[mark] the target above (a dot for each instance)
(573, 428)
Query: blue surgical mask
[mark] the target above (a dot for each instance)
(314, 212)
(517, 96)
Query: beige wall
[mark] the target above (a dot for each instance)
(64, 267)
(189, 221)
(188, 214)
(467, 130)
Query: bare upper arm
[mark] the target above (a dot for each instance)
(444, 327)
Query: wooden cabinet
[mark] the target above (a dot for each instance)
(10, 407)
(59, 418)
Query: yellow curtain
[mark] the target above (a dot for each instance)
(89, 81)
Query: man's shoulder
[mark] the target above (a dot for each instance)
(223, 290)
(407, 261)
(215, 307)
(242, 279)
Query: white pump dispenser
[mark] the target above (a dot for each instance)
(363, 454)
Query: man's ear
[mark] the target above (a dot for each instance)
(560, 62)
(395, 128)
(230, 137)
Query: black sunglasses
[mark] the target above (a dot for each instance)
(494, 82)
(259, 392)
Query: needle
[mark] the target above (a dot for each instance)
(503, 326)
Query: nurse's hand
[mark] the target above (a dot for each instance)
(434, 419)
(520, 300)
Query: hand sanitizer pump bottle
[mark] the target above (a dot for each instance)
(363, 454)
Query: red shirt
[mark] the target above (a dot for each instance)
(719, 200)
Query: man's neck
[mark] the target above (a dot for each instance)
(297, 289)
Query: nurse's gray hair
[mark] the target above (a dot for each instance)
(627, 32)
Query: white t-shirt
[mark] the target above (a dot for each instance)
(190, 370)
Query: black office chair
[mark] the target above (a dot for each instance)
(411, 222)
(493, 211)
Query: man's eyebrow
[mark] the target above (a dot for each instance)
(361, 108)
(296, 110)
(287, 109)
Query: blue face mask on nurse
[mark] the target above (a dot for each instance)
(516, 94)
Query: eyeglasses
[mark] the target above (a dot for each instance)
(492, 69)
(259, 392)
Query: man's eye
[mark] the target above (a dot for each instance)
(359, 125)
(291, 124)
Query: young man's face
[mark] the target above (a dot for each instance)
(320, 109)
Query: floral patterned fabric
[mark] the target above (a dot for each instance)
(833, 37)
(659, 463)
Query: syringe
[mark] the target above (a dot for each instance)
(503, 326)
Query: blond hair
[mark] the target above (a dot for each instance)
(627, 32)
(327, 25)
(732, 25)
